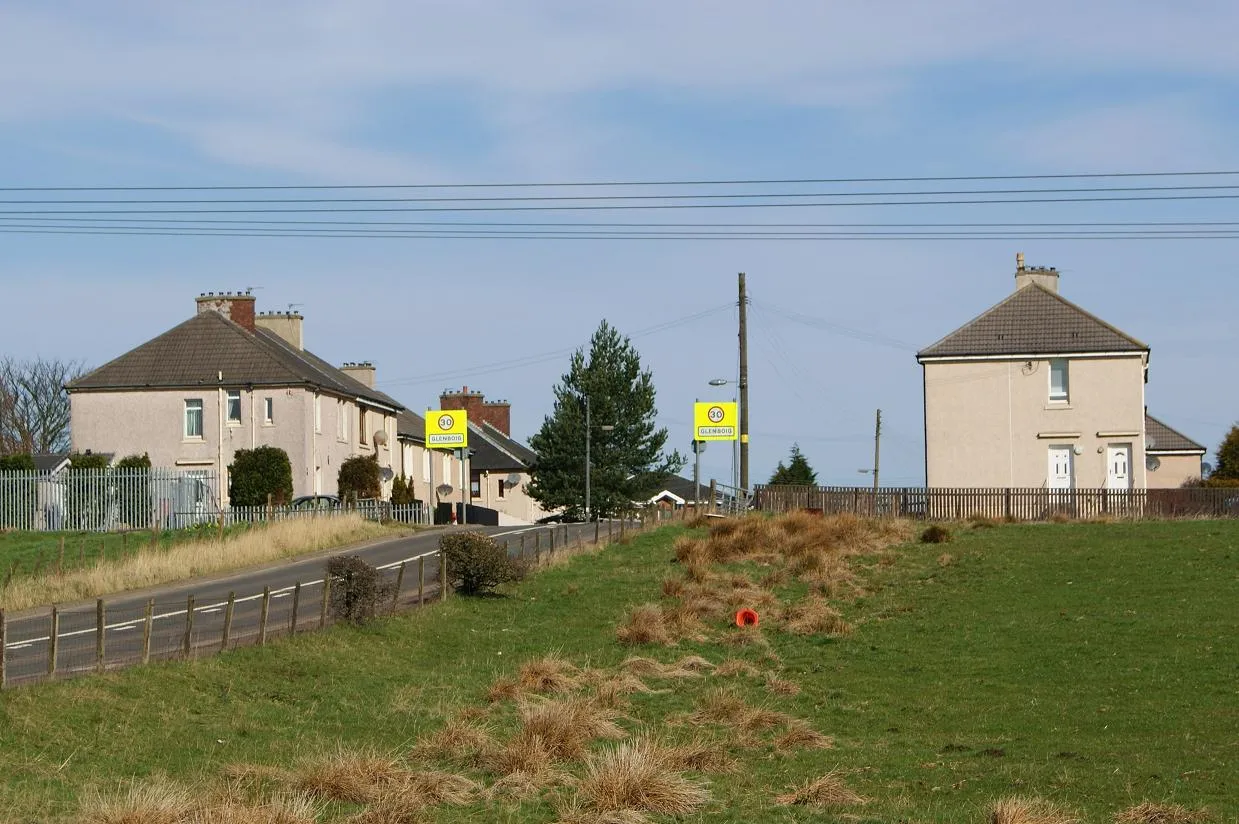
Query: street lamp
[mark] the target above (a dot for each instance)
(588, 438)
(735, 445)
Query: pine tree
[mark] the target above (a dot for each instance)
(797, 471)
(627, 461)
(1227, 468)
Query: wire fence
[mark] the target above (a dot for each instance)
(110, 634)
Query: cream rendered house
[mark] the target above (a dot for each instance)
(227, 379)
(1036, 392)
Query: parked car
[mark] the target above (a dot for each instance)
(315, 502)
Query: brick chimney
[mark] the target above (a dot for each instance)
(1044, 276)
(238, 307)
(285, 324)
(363, 371)
(497, 413)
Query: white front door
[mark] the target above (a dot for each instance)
(1060, 474)
(1118, 466)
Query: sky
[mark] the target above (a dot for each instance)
(318, 93)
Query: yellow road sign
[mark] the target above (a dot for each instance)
(447, 429)
(715, 421)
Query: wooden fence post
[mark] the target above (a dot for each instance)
(610, 527)
(100, 627)
(232, 602)
(322, 618)
(395, 598)
(292, 629)
(4, 639)
(187, 643)
(522, 546)
(146, 631)
(221, 523)
(597, 529)
(51, 642)
(262, 618)
(60, 562)
(421, 580)
(552, 549)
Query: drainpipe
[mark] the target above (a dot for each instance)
(219, 439)
(253, 431)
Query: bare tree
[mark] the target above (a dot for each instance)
(34, 407)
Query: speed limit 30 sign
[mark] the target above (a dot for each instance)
(447, 428)
(715, 421)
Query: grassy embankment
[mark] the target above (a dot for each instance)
(95, 565)
(1087, 665)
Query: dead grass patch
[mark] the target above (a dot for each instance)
(645, 624)
(547, 675)
(458, 742)
(736, 666)
(1017, 810)
(635, 776)
(814, 616)
(724, 708)
(155, 803)
(800, 736)
(824, 791)
(281, 809)
(353, 776)
(559, 730)
(781, 686)
(946, 559)
(699, 755)
(1148, 812)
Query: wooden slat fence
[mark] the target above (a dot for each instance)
(999, 503)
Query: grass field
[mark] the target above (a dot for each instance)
(1090, 665)
(34, 571)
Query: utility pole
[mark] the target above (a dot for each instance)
(588, 432)
(877, 448)
(744, 389)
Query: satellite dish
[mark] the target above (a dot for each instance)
(1206, 469)
(380, 438)
(513, 481)
(1150, 442)
(444, 489)
(1152, 463)
(386, 473)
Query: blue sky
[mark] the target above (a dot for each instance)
(369, 92)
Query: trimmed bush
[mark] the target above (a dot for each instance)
(936, 535)
(16, 463)
(256, 473)
(357, 589)
(359, 478)
(477, 563)
(402, 491)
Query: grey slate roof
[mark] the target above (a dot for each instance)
(49, 463)
(192, 354)
(494, 450)
(410, 425)
(1161, 438)
(1033, 321)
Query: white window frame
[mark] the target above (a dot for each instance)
(426, 466)
(231, 395)
(268, 410)
(185, 418)
(342, 421)
(1063, 396)
(363, 427)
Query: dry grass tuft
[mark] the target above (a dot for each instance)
(694, 663)
(736, 666)
(825, 791)
(645, 624)
(522, 785)
(673, 587)
(946, 559)
(813, 616)
(356, 777)
(1018, 810)
(1149, 813)
(575, 814)
(458, 742)
(555, 730)
(293, 809)
(525, 759)
(282, 539)
(781, 686)
(635, 776)
(547, 675)
(256, 776)
(726, 709)
(141, 804)
(800, 736)
(699, 755)
(613, 689)
(432, 787)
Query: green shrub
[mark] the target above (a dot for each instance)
(359, 478)
(357, 589)
(256, 473)
(402, 492)
(133, 494)
(16, 463)
(477, 563)
(936, 534)
(87, 492)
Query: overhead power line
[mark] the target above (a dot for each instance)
(617, 183)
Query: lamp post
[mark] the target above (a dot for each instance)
(735, 445)
(588, 438)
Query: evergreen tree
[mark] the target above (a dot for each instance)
(797, 471)
(1227, 468)
(256, 473)
(627, 462)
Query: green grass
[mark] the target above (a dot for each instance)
(1090, 664)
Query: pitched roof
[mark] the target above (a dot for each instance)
(194, 353)
(1161, 438)
(493, 450)
(1033, 321)
(50, 463)
(410, 425)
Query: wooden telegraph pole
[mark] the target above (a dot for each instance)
(744, 388)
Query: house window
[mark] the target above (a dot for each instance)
(268, 410)
(426, 466)
(363, 437)
(234, 406)
(342, 420)
(502, 487)
(1058, 380)
(193, 417)
(318, 413)
(447, 469)
(475, 487)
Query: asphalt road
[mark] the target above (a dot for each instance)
(27, 647)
